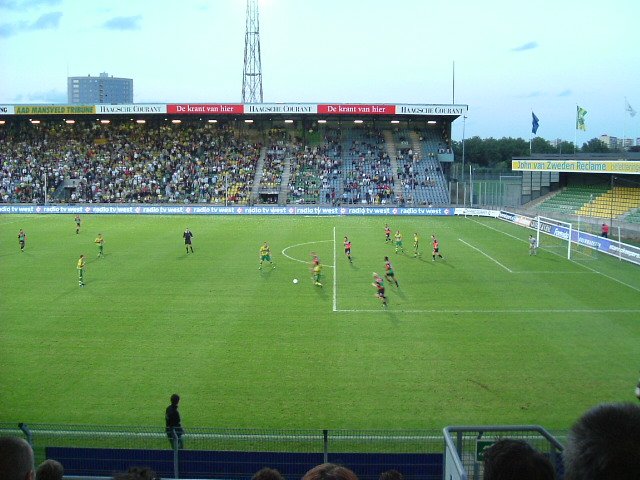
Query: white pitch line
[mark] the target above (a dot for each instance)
(305, 243)
(475, 311)
(488, 256)
(335, 273)
(549, 272)
(607, 276)
(497, 230)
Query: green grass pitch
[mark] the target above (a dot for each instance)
(487, 335)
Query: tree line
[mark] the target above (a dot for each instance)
(496, 154)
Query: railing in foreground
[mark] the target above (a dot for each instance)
(233, 453)
(465, 445)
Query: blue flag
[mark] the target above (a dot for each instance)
(534, 124)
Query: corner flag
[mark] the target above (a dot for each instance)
(580, 114)
(534, 124)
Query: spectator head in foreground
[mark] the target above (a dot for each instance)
(16, 459)
(329, 471)
(511, 459)
(49, 470)
(605, 444)
(391, 475)
(137, 473)
(267, 473)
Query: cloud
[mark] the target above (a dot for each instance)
(7, 30)
(565, 93)
(526, 46)
(26, 4)
(123, 23)
(48, 96)
(48, 21)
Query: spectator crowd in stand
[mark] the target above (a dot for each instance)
(118, 163)
(368, 173)
(314, 176)
(195, 162)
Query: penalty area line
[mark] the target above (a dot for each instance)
(593, 270)
(486, 255)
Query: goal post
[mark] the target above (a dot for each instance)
(556, 234)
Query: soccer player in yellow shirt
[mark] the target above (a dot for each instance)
(265, 255)
(100, 242)
(317, 272)
(81, 271)
(398, 239)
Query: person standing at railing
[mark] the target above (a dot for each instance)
(604, 231)
(173, 423)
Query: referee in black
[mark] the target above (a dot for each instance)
(187, 235)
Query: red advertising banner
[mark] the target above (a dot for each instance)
(206, 109)
(356, 109)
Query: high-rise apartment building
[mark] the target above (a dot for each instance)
(610, 141)
(615, 143)
(103, 89)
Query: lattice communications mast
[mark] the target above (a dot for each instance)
(252, 75)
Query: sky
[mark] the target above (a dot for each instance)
(511, 57)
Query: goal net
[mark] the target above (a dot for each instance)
(553, 235)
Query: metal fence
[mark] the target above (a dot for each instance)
(237, 453)
(465, 445)
(499, 192)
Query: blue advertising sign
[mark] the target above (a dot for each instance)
(127, 209)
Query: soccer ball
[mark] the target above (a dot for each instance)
(295, 280)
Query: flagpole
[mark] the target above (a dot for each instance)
(575, 138)
(624, 125)
(453, 83)
(531, 131)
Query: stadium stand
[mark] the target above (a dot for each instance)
(418, 170)
(612, 203)
(314, 176)
(194, 162)
(271, 166)
(597, 201)
(368, 177)
(119, 163)
(571, 199)
(633, 217)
